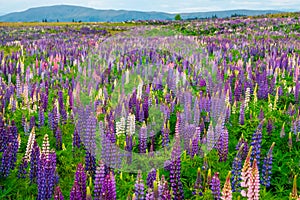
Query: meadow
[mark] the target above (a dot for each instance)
(155, 110)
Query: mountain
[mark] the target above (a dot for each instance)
(67, 13)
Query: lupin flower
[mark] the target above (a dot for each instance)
(256, 143)
(151, 177)
(198, 184)
(226, 191)
(143, 139)
(108, 189)
(75, 192)
(58, 136)
(223, 145)
(242, 114)
(139, 187)
(282, 132)
(215, 186)
(99, 180)
(30, 142)
(7, 163)
(80, 180)
(58, 194)
(46, 146)
(253, 190)
(76, 139)
(246, 174)
(267, 167)
(22, 172)
(34, 160)
(294, 193)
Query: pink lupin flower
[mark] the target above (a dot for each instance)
(253, 191)
(246, 174)
(226, 191)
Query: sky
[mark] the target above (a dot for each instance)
(170, 6)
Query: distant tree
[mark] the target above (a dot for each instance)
(73, 20)
(57, 20)
(177, 17)
(45, 20)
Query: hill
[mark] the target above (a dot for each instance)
(67, 13)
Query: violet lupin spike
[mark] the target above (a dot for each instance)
(215, 186)
(267, 167)
(58, 194)
(80, 178)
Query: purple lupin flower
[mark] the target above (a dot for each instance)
(75, 193)
(256, 143)
(143, 139)
(34, 160)
(223, 145)
(76, 139)
(151, 177)
(7, 162)
(215, 186)
(198, 184)
(108, 189)
(46, 176)
(22, 172)
(236, 169)
(267, 168)
(242, 114)
(41, 117)
(58, 194)
(245, 149)
(99, 180)
(175, 167)
(32, 122)
(165, 134)
(270, 127)
(80, 179)
(58, 136)
(139, 187)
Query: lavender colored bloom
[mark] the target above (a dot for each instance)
(76, 139)
(7, 163)
(32, 122)
(223, 145)
(58, 136)
(256, 143)
(46, 176)
(34, 160)
(175, 168)
(267, 168)
(80, 179)
(242, 114)
(90, 163)
(236, 169)
(108, 189)
(198, 184)
(75, 193)
(58, 194)
(41, 117)
(143, 139)
(151, 177)
(139, 187)
(22, 172)
(215, 186)
(99, 180)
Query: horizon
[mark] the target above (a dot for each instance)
(166, 6)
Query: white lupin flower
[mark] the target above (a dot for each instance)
(247, 98)
(30, 144)
(130, 130)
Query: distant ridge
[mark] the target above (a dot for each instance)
(67, 13)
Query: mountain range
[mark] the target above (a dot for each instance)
(67, 13)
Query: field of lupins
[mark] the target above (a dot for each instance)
(163, 110)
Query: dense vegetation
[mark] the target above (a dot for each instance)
(204, 109)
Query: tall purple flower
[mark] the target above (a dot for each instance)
(76, 139)
(75, 193)
(256, 143)
(34, 160)
(99, 180)
(143, 139)
(223, 145)
(7, 163)
(108, 189)
(139, 188)
(198, 184)
(267, 168)
(58, 194)
(22, 172)
(58, 137)
(215, 186)
(41, 117)
(175, 168)
(151, 177)
(80, 179)
(236, 169)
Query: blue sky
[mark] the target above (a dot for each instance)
(171, 6)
